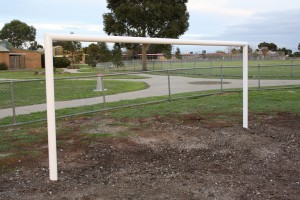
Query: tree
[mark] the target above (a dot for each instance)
(92, 51)
(285, 51)
(18, 33)
(71, 49)
(264, 51)
(178, 53)
(35, 46)
(297, 54)
(167, 51)
(117, 56)
(97, 52)
(270, 46)
(146, 18)
(235, 51)
(104, 52)
(299, 47)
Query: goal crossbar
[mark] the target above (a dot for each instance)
(49, 38)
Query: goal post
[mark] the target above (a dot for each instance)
(49, 38)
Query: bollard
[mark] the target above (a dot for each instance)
(100, 85)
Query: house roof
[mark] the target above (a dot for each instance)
(6, 45)
(3, 49)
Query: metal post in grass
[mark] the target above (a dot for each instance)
(103, 91)
(169, 86)
(51, 122)
(292, 63)
(161, 64)
(221, 77)
(195, 66)
(258, 75)
(153, 64)
(245, 86)
(211, 69)
(13, 104)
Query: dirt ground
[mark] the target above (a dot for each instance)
(186, 157)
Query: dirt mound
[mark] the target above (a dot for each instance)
(172, 158)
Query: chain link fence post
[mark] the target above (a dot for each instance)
(211, 69)
(258, 75)
(13, 103)
(292, 63)
(169, 86)
(195, 66)
(103, 91)
(221, 77)
(153, 64)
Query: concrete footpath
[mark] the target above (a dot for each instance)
(158, 87)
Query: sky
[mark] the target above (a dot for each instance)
(252, 21)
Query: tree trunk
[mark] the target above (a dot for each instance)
(144, 57)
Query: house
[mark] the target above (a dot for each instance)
(58, 51)
(19, 58)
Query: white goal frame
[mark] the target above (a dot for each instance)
(49, 38)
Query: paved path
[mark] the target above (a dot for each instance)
(158, 87)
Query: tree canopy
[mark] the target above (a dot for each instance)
(146, 18)
(270, 46)
(18, 33)
(98, 53)
(178, 53)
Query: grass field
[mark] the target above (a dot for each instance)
(281, 100)
(33, 92)
(267, 69)
(279, 69)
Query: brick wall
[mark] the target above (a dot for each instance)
(32, 58)
(4, 58)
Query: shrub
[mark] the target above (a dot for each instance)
(297, 54)
(62, 62)
(3, 66)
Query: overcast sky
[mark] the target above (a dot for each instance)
(253, 21)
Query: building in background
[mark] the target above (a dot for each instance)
(19, 58)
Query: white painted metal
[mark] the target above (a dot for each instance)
(245, 86)
(50, 108)
(115, 39)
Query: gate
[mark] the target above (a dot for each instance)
(17, 62)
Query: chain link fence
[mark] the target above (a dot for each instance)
(24, 101)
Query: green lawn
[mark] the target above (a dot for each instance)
(264, 101)
(277, 71)
(269, 69)
(33, 92)
(268, 101)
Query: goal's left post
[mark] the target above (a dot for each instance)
(245, 86)
(51, 123)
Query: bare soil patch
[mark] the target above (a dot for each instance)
(187, 157)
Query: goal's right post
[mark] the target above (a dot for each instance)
(245, 86)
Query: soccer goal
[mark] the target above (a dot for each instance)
(49, 38)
